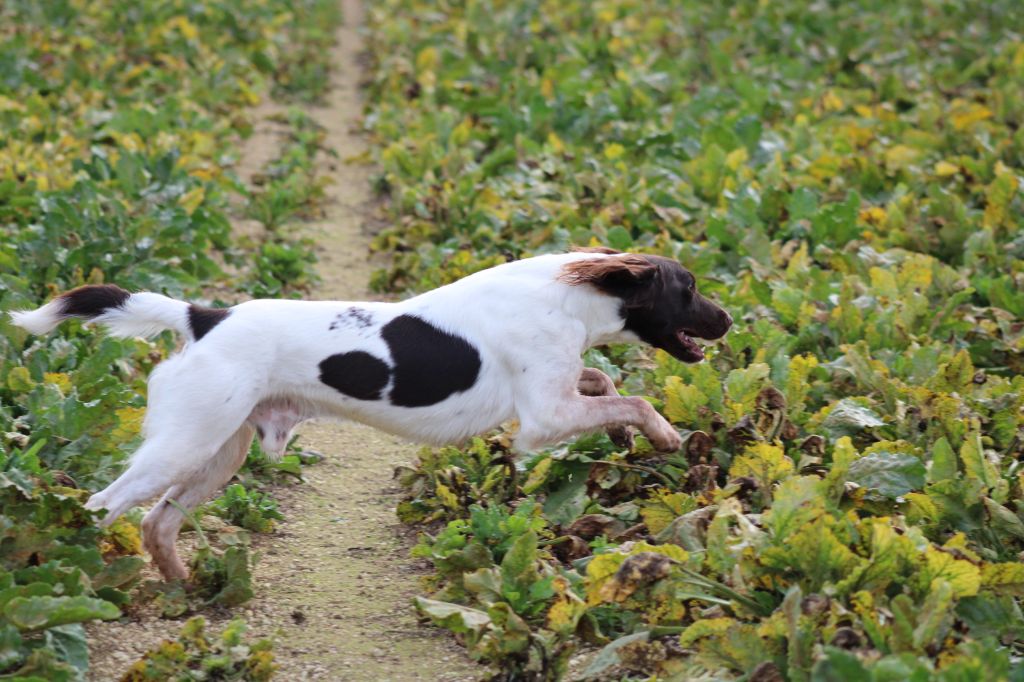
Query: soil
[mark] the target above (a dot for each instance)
(334, 584)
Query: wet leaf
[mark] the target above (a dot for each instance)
(847, 418)
(888, 474)
(609, 656)
(453, 616)
(37, 613)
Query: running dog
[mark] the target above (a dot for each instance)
(501, 344)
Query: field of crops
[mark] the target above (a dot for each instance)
(118, 126)
(845, 178)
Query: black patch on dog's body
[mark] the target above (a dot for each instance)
(430, 364)
(356, 373)
(202, 319)
(92, 300)
(353, 317)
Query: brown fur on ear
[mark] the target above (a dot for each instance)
(618, 274)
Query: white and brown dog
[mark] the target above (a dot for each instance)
(501, 344)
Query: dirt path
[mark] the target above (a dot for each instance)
(334, 584)
(336, 581)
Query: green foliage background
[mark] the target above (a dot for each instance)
(118, 121)
(845, 178)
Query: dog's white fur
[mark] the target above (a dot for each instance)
(259, 368)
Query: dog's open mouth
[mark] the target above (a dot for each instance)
(692, 352)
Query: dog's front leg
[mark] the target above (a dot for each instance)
(561, 416)
(594, 382)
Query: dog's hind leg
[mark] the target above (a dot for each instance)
(196, 404)
(594, 382)
(147, 476)
(161, 525)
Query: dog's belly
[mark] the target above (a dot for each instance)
(451, 420)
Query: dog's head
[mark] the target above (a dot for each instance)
(660, 301)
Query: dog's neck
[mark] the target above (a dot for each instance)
(600, 314)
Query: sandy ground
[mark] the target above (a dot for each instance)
(334, 584)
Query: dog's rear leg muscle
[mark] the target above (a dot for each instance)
(196, 403)
(161, 525)
(594, 382)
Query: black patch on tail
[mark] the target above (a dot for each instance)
(430, 364)
(92, 300)
(356, 373)
(202, 319)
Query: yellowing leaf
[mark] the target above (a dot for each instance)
(461, 133)
(976, 464)
(900, 157)
(831, 101)
(602, 569)
(884, 282)
(921, 509)
(944, 169)
(1004, 578)
(998, 196)
(8, 104)
(682, 401)
(187, 29)
(129, 423)
(599, 571)
(427, 59)
(963, 576)
(736, 158)
(567, 609)
(614, 151)
(764, 462)
(60, 380)
(664, 508)
(191, 200)
(447, 497)
(122, 537)
(966, 114)
(556, 143)
(705, 627)
(19, 380)
(538, 474)
(813, 551)
(873, 215)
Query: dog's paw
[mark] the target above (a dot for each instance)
(666, 441)
(98, 503)
(95, 502)
(621, 436)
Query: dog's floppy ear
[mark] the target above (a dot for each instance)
(624, 274)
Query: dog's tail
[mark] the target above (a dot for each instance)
(124, 314)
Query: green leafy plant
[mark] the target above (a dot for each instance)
(248, 509)
(847, 503)
(119, 122)
(195, 655)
